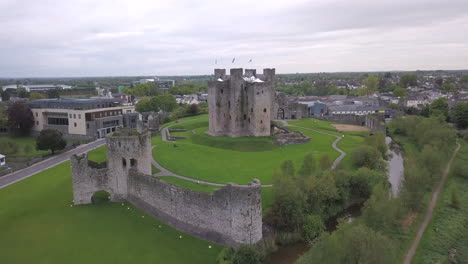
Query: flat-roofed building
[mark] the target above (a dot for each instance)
(80, 118)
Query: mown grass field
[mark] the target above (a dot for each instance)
(239, 160)
(39, 225)
(448, 228)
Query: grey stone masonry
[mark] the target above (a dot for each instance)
(241, 105)
(230, 215)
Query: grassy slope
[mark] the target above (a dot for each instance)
(37, 225)
(236, 160)
(448, 228)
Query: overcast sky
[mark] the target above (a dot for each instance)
(40, 38)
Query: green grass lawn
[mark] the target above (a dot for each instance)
(448, 228)
(27, 146)
(98, 154)
(238, 160)
(38, 225)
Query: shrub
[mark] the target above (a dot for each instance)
(8, 146)
(313, 228)
(246, 254)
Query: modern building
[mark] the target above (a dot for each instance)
(37, 87)
(80, 118)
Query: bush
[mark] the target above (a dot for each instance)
(313, 228)
(247, 254)
(8, 146)
(225, 256)
(369, 157)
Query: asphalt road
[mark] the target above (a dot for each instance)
(48, 163)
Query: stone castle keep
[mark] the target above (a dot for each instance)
(241, 105)
(230, 215)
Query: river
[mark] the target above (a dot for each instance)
(395, 166)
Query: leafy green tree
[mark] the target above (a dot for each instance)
(3, 115)
(308, 167)
(322, 195)
(448, 86)
(400, 92)
(325, 162)
(4, 94)
(354, 244)
(313, 228)
(369, 157)
(22, 93)
(146, 104)
(371, 84)
(35, 96)
(364, 180)
(20, 118)
(460, 115)
(409, 79)
(166, 102)
(439, 107)
(381, 211)
(377, 140)
(143, 89)
(50, 139)
(287, 210)
(53, 93)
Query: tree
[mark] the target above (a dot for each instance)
(53, 93)
(369, 157)
(20, 118)
(143, 89)
(5, 95)
(325, 162)
(50, 139)
(454, 198)
(381, 211)
(308, 167)
(313, 228)
(166, 102)
(356, 244)
(3, 115)
(460, 115)
(145, 104)
(448, 86)
(8, 146)
(193, 109)
(35, 96)
(22, 93)
(371, 84)
(287, 169)
(439, 107)
(409, 79)
(364, 180)
(400, 92)
(288, 202)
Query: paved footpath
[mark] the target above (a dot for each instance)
(430, 210)
(48, 163)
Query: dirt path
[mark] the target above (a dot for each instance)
(430, 210)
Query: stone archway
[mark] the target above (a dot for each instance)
(100, 197)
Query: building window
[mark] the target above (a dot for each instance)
(37, 123)
(124, 162)
(57, 121)
(79, 116)
(74, 124)
(70, 115)
(74, 115)
(37, 114)
(264, 110)
(87, 126)
(133, 162)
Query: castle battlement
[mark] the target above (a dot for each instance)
(241, 104)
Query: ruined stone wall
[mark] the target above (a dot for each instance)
(238, 107)
(229, 216)
(88, 178)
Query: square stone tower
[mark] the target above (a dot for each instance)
(241, 104)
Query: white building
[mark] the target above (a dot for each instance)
(2, 160)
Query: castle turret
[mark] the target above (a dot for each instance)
(127, 149)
